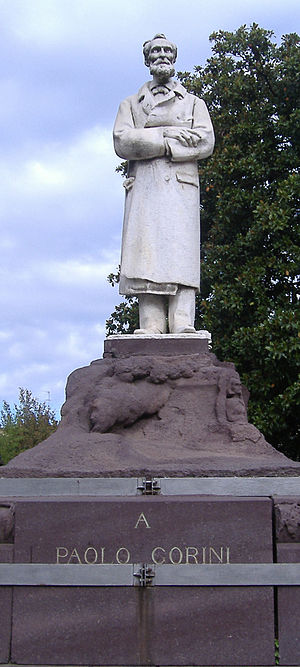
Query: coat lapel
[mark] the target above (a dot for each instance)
(148, 101)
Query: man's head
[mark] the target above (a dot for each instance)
(160, 55)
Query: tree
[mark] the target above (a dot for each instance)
(125, 317)
(24, 426)
(250, 238)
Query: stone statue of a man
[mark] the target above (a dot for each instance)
(162, 131)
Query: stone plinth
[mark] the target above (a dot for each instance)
(157, 344)
(162, 406)
(6, 556)
(287, 510)
(111, 534)
(128, 625)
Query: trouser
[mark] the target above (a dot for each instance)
(181, 311)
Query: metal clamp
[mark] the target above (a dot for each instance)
(149, 486)
(144, 575)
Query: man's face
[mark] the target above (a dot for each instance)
(161, 60)
(161, 52)
(235, 386)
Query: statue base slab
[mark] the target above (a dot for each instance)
(158, 344)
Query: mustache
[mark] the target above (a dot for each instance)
(163, 59)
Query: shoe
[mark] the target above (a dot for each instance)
(189, 329)
(146, 332)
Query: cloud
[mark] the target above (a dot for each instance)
(62, 166)
(54, 23)
(52, 201)
(76, 273)
(60, 239)
(41, 355)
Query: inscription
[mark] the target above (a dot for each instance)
(188, 555)
(123, 556)
(142, 520)
(207, 555)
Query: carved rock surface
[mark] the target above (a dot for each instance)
(287, 516)
(7, 518)
(172, 415)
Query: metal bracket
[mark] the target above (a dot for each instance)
(149, 486)
(144, 575)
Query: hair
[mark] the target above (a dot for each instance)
(147, 47)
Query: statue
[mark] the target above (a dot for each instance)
(162, 131)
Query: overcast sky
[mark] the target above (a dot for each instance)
(65, 66)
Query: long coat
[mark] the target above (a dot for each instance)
(161, 231)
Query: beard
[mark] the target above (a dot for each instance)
(163, 72)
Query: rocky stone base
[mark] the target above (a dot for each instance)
(160, 406)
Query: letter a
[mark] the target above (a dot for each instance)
(141, 519)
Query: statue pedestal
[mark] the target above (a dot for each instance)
(159, 405)
(159, 489)
(173, 572)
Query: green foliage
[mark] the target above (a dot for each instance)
(125, 317)
(24, 426)
(250, 234)
(122, 169)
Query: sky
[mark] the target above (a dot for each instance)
(65, 67)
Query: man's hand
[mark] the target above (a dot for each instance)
(186, 136)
